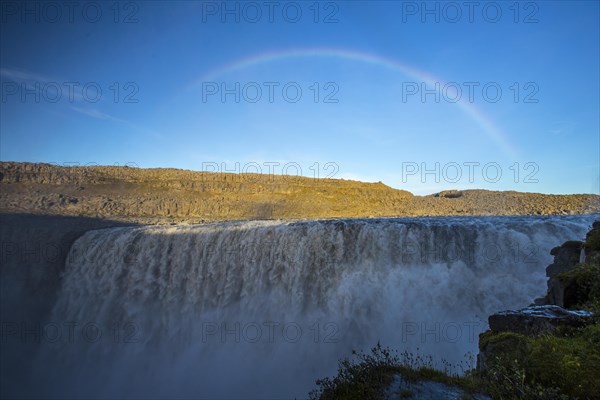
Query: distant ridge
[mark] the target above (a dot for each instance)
(162, 195)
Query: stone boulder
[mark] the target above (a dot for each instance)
(538, 320)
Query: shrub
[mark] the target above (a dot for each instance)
(363, 378)
(551, 366)
(367, 376)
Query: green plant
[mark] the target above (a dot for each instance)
(365, 377)
(368, 375)
(592, 240)
(558, 366)
(504, 380)
(582, 287)
(551, 367)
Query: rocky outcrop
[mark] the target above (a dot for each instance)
(538, 320)
(562, 291)
(555, 342)
(591, 246)
(566, 257)
(449, 194)
(165, 194)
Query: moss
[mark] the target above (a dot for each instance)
(504, 345)
(489, 337)
(570, 363)
(582, 287)
(592, 240)
(520, 366)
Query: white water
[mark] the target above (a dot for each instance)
(262, 309)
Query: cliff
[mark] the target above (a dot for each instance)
(179, 196)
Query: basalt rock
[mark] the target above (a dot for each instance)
(592, 245)
(510, 331)
(566, 257)
(538, 320)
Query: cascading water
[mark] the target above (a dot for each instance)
(262, 309)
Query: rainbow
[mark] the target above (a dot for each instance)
(488, 127)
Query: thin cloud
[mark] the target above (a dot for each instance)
(22, 76)
(94, 113)
(34, 82)
(97, 114)
(37, 83)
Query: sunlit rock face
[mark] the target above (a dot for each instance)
(262, 309)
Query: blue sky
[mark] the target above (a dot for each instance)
(504, 96)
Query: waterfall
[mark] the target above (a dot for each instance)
(262, 309)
